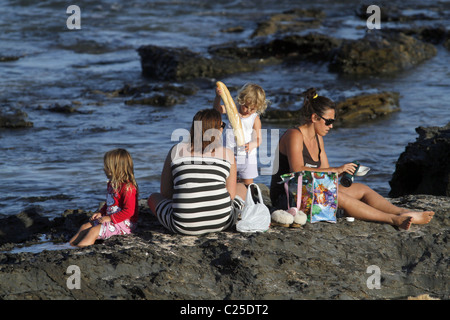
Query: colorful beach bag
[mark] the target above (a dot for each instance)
(314, 193)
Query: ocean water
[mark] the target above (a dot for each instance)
(57, 163)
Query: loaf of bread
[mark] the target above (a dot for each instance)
(232, 114)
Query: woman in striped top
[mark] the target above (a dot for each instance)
(198, 182)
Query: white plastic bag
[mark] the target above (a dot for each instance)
(255, 216)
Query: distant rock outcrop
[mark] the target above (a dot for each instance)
(179, 64)
(386, 54)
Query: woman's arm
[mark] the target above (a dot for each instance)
(166, 186)
(293, 147)
(232, 178)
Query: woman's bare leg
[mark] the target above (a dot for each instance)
(362, 211)
(373, 199)
(370, 197)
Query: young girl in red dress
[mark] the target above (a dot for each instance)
(119, 215)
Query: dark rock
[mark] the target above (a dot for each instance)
(65, 109)
(181, 64)
(381, 54)
(281, 116)
(351, 111)
(165, 95)
(432, 34)
(12, 118)
(129, 90)
(313, 46)
(33, 199)
(161, 100)
(62, 109)
(68, 224)
(9, 58)
(23, 226)
(317, 261)
(424, 166)
(86, 46)
(366, 107)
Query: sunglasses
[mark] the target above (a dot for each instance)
(223, 125)
(328, 121)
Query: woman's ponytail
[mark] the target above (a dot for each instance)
(313, 103)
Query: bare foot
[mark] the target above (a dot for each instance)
(403, 222)
(419, 217)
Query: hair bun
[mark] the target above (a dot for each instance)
(310, 94)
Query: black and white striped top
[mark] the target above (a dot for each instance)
(200, 202)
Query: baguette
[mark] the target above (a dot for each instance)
(232, 114)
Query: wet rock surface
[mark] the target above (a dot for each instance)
(375, 54)
(367, 107)
(288, 48)
(317, 261)
(13, 118)
(180, 64)
(282, 38)
(424, 166)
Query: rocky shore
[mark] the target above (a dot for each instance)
(317, 261)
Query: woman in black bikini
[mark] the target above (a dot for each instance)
(302, 149)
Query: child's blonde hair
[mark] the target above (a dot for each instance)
(118, 166)
(253, 95)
